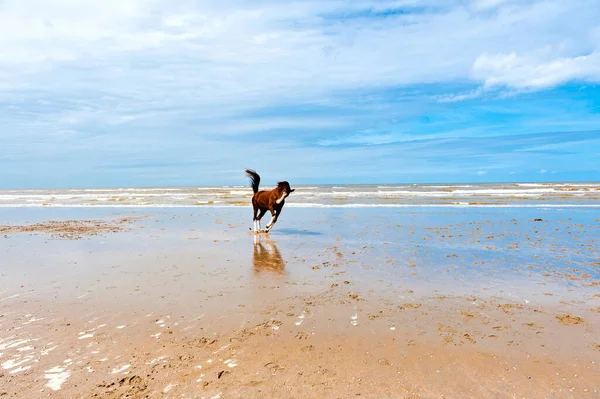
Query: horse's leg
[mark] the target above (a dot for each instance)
(255, 217)
(260, 215)
(274, 216)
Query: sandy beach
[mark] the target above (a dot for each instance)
(424, 175)
(378, 303)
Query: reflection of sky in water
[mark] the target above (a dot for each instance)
(459, 251)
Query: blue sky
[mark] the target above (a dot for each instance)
(155, 93)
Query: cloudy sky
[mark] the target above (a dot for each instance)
(183, 92)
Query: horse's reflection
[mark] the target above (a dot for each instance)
(267, 260)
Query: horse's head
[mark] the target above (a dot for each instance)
(285, 190)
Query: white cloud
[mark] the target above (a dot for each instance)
(450, 98)
(486, 4)
(481, 172)
(543, 171)
(127, 78)
(365, 138)
(269, 51)
(532, 71)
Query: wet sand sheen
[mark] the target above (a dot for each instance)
(334, 303)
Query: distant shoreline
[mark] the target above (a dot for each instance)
(518, 195)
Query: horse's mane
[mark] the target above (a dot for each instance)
(283, 184)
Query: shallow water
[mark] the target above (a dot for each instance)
(399, 283)
(189, 256)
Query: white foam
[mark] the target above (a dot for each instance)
(11, 296)
(14, 344)
(301, 317)
(56, 377)
(120, 369)
(20, 369)
(168, 388)
(321, 195)
(221, 349)
(12, 363)
(32, 320)
(47, 351)
(155, 360)
(241, 192)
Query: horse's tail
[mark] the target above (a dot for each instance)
(254, 178)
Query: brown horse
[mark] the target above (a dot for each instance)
(263, 201)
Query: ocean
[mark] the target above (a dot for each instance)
(319, 196)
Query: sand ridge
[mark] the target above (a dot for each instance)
(70, 229)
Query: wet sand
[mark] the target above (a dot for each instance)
(402, 303)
